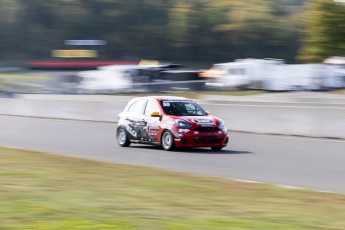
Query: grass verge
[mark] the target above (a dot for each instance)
(339, 91)
(22, 76)
(43, 191)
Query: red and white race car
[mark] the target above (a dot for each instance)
(171, 122)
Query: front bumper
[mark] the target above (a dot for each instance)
(200, 139)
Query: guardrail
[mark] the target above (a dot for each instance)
(301, 119)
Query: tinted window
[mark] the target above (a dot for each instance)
(182, 108)
(151, 106)
(137, 107)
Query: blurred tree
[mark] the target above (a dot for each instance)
(9, 23)
(37, 26)
(225, 30)
(178, 25)
(324, 32)
(144, 28)
(178, 30)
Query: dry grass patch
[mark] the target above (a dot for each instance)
(43, 191)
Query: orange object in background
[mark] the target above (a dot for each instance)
(212, 73)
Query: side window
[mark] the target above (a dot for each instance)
(151, 106)
(137, 107)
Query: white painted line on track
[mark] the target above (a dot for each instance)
(229, 178)
(246, 181)
(276, 106)
(287, 136)
(282, 186)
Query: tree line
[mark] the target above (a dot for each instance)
(176, 30)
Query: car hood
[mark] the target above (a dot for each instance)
(201, 120)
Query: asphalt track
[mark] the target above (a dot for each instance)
(310, 163)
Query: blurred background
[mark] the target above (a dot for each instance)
(62, 46)
(56, 54)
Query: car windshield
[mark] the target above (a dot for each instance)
(182, 108)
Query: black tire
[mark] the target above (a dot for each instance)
(167, 141)
(122, 137)
(218, 148)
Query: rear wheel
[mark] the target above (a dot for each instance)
(122, 138)
(216, 148)
(168, 141)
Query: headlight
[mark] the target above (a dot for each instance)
(222, 126)
(183, 124)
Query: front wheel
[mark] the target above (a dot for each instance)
(168, 141)
(122, 138)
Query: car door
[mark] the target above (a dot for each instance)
(153, 123)
(136, 123)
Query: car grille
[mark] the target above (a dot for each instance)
(206, 129)
(207, 140)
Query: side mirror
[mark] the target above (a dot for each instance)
(155, 114)
(207, 112)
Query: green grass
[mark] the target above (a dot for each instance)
(21, 81)
(22, 76)
(22, 85)
(339, 91)
(42, 191)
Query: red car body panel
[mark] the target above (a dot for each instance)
(207, 135)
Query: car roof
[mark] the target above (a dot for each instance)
(162, 98)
